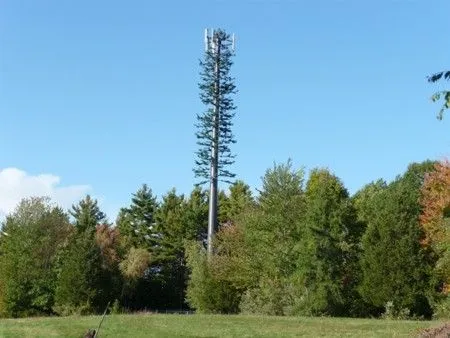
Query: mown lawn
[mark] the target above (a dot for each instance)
(160, 325)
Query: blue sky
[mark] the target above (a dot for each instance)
(102, 95)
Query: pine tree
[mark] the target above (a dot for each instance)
(170, 267)
(195, 215)
(214, 133)
(87, 214)
(137, 222)
(85, 281)
(170, 226)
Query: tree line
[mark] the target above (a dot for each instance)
(302, 246)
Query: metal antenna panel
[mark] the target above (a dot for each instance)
(210, 40)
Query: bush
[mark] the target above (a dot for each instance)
(442, 309)
(116, 308)
(269, 298)
(81, 309)
(392, 313)
(206, 292)
(2, 300)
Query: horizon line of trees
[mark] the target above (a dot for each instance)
(302, 246)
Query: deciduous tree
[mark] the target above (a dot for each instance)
(327, 261)
(435, 218)
(444, 94)
(36, 232)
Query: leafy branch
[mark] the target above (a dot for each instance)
(444, 94)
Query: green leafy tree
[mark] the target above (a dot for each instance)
(178, 220)
(209, 285)
(206, 292)
(136, 252)
(444, 94)
(272, 231)
(395, 267)
(282, 202)
(239, 199)
(363, 200)
(195, 215)
(79, 276)
(36, 232)
(171, 227)
(328, 249)
(173, 221)
(135, 264)
(169, 251)
(88, 266)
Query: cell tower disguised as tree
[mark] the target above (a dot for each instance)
(214, 134)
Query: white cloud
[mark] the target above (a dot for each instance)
(16, 184)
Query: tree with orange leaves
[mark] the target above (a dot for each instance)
(435, 218)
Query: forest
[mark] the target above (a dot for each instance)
(301, 246)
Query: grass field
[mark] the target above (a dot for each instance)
(159, 325)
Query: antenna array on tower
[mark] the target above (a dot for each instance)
(210, 41)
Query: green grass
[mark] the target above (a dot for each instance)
(159, 325)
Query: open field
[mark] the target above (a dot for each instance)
(158, 325)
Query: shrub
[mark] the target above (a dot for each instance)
(442, 309)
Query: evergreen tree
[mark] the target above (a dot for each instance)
(395, 267)
(214, 133)
(137, 222)
(170, 226)
(79, 276)
(178, 220)
(195, 215)
(87, 214)
(169, 251)
(87, 268)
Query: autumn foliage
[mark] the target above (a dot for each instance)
(107, 239)
(435, 218)
(435, 203)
